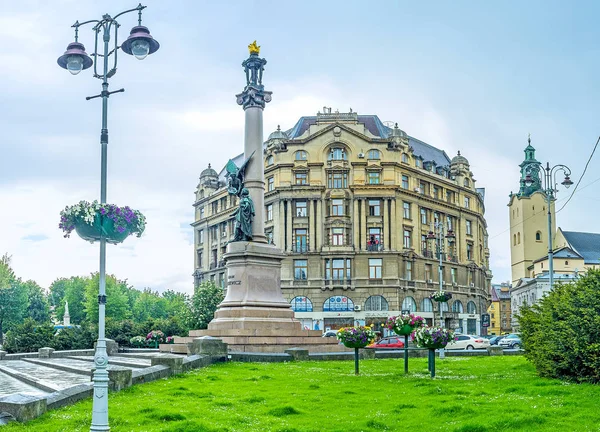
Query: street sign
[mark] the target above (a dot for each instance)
(485, 320)
(406, 312)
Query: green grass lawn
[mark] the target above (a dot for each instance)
(469, 394)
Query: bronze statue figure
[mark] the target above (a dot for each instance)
(243, 217)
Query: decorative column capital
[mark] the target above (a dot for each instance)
(254, 95)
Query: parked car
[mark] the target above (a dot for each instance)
(468, 342)
(494, 340)
(513, 340)
(388, 342)
(330, 333)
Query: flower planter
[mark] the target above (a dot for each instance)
(405, 330)
(101, 226)
(355, 345)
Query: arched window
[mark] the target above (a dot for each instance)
(426, 305)
(471, 308)
(338, 303)
(374, 154)
(404, 158)
(301, 155)
(457, 306)
(376, 303)
(444, 306)
(338, 153)
(538, 236)
(269, 161)
(514, 239)
(518, 238)
(301, 304)
(410, 304)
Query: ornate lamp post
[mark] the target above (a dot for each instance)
(550, 188)
(139, 44)
(439, 233)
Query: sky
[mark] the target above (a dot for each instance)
(470, 76)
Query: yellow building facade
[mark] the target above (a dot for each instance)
(351, 202)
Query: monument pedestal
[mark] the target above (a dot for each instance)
(254, 316)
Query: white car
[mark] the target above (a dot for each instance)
(469, 342)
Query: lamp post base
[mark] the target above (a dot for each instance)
(100, 400)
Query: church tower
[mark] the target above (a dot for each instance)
(528, 218)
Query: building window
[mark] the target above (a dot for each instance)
(201, 237)
(374, 177)
(300, 269)
(337, 154)
(418, 163)
(337, 207)
(468, 225)
(407, 243)
(301, 178)
(449, 196)
(467, 202)
(270, 212)
(404, 158)
(201, 212)
(471, 308)
(301, 208)
(538, 236)
(426, 305)
(444, 306)
(269, 235)
(410, 304)
(337, 180)
(270, 184)
(408, 270)
(422, 186)
(404, 182)
(453, 271)
(374, 208)
(337, 236)
(374, 154)
(214, 207)
(301, 155)
(301, 241)
(449, 223)
(424, 245)
(466, 182)
(336, 268)
(270, 161)
(338, 304)
(374, 242)
(376, 303)
(436, 217)
(469, 251)
(428, 272)
(406, 207)
(301, 304)
(375, 265)
(423, 216)
(518, 238)
(457, 306)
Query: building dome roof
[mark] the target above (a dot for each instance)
(397, 132)
(458, 159)
(278, 134)
(209, 172)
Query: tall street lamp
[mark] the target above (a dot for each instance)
(550, 188)
(139, 44)
(439, 233)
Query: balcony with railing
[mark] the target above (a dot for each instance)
(300, 248)
(452, 258)
(374, 246)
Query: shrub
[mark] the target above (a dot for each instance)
(29, 337)
(80, 337)
(138, 341)
(560, 333)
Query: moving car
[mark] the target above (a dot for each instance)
(469, 342)
(513, 340)
(494, 340)
(330, 333)
(388, 342)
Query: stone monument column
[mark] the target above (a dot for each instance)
(66, 316)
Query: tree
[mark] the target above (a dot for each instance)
(117, 300)
(29, 337)
(149, 305)
(560, 333)
(57, 292)
(177, 304)
(37, 303)
(74, 293)
(13, 299)
(203, 305)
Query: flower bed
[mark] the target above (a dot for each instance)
(93, 220)
(356, 337)
(441, 296)
(433, 337)
(154, 338)
(138, 341)
(404, 325)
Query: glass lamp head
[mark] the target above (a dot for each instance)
(140, 43)
(567, 182)
(528, 180)
(75, 59)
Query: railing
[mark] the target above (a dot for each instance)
(374, 247)
(300, 282)
(300, 248)
(375, 282)
(341, 281)
(452, 258)
(428, 254)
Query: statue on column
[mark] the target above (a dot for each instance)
(244, 215)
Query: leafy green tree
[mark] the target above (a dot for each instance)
(57, 293)
(74, 293)
(117, 300)
(13, 298)
(203, 305)
(177, 304)
(149, 305)
(37, 307)
(560, 333)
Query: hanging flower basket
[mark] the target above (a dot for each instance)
(356, 337)
(441, 296)
(404, 325)
(433, 337)
(93, 220)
